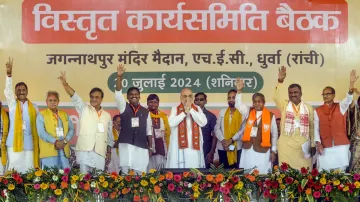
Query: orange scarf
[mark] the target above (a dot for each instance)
(182, 131)
(266, 122)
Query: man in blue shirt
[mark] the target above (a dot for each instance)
(209, 145)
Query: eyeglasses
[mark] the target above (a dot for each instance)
(186, 96)
(199, 99)
(327, 94)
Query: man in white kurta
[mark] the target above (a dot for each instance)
(249, 157)
(114, 164)
(185, 150)
(95, 137)
(135, 138)
(330, 129)
(23, 160)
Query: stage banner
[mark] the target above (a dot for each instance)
(169, 45)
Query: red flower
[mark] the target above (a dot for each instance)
(137, 198)
(171, 187)
(5, 182)
(284, 166)
(316, 194)
(227, 199)
(304, 171)
(300, 189)
(267, 183)
(315, 172)
(273, 196)
(216, 187)
(274, 184)
(19, 180)
(67, 171)
(226, 190)
(259, 183)
(235, 179)
(318, 186)
(266, 193)
(310, 184)
(352, 186)
(105, 194)
(145, 198)
(289, 180)
(229, 185)
(177, 178)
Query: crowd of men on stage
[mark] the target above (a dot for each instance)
(143, 138)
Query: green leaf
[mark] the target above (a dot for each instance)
(303, 183)
(310, 198)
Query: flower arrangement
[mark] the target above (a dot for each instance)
(53, 184)
(309, 185)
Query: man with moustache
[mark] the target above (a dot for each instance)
(135, 140)
(228, 131)
(95, 137)
(260, 134)
(186, 120)
(55, 130)
(161, 133)
(330, 129)
(209, 145)
(297, 126)
(22, 141)
(114, 164)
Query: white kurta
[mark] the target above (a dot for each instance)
(189, 157)
(335, 157)
(250, 158)
(131, 156)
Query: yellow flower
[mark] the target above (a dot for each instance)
(11, 187)
(38, 173)
(296, 182)
(282, 186)
(196, 194)
(75, 178)
(105, 184)
(280, 181)
(239, 185)
(44, 186)
(346, 188)
(143, 174)
(66, 200)
(323, 181)
(152, 171)
(282, 175)
(153, 180)
(357, 184)
(58, 192)
(144, 183)
(336, 182)
(102, 179)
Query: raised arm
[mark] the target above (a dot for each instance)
(346, 102)
(281, 77)
(75, 98)
(243, 109)
(119, 98)
(8, 91)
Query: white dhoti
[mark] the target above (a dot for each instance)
(20, 161)
(114, 165)
(250, 159)
(133, 157)
(333, 158)
(89, 160)
(156, 162)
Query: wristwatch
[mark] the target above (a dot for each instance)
(65, 141)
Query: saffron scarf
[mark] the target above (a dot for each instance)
(265, 123)
(116, 137)
(230, 129)
(163, 116)
(182, 131)
(18, 144)
(5, 132)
